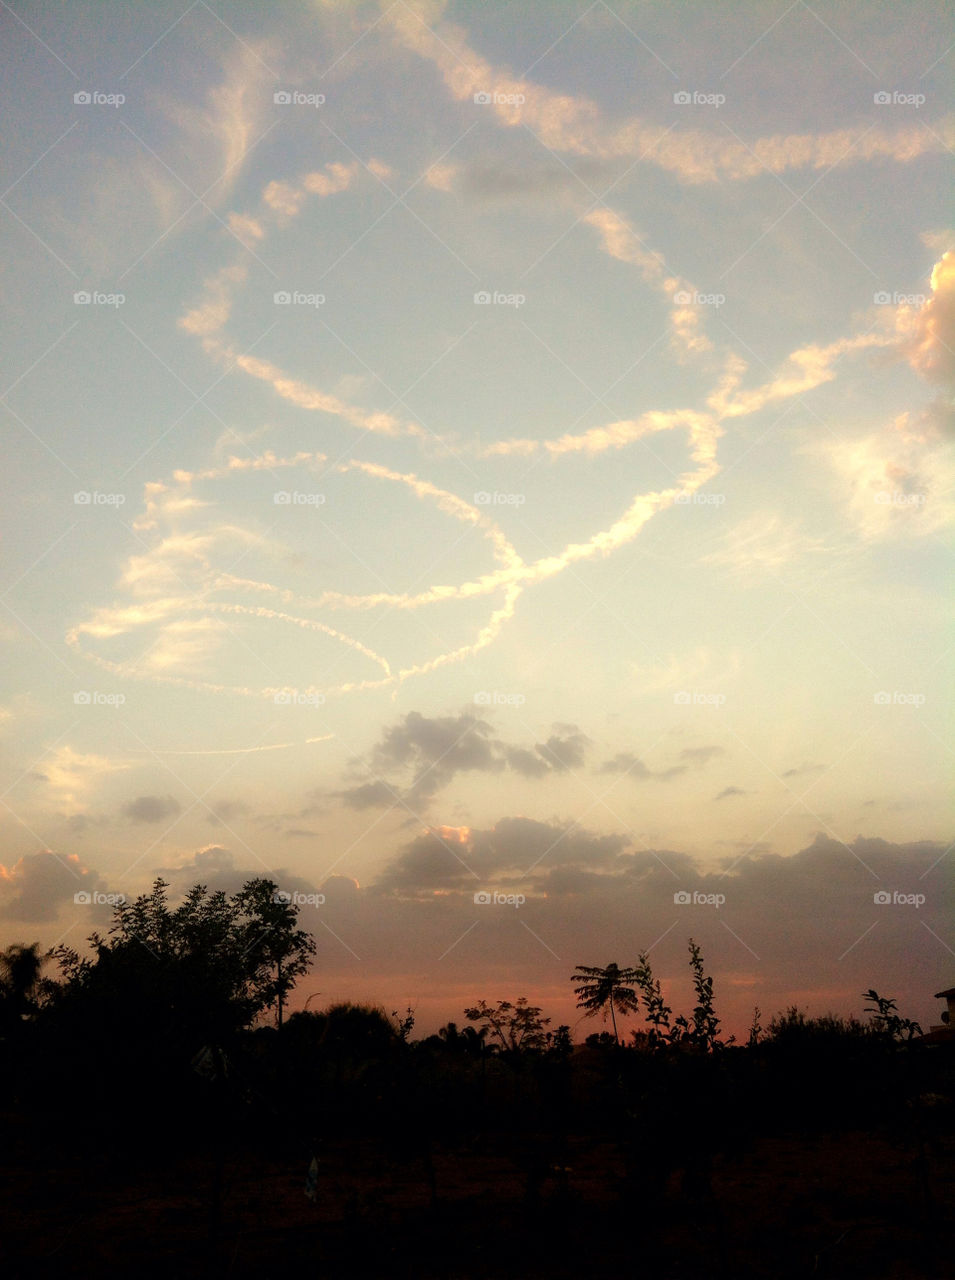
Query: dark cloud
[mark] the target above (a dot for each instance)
(436, 749)
(445, 858)
(627, 763)
(565, 748)
(151, 808)
(803, 769)
(527, 763)
(700, 755)
(811, 928)
(37, 886)
(730, 791)
(369, 795)
(420, 755)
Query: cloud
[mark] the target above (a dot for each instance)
(928, 331)
(565, 748)
(37, 886)
(152, 808)
(803, 770)
(462, 859)
(72, 775)
(435, 749)
(421, 755)
(369, 795)
(575, 125)
(221, 131)
(727, 792)
(764, 543)
(630, 765)
(701, 755)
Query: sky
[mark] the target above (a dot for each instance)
(486, 467)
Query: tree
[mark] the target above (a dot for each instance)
(602, 989)
(517, 1026)
(702, 1029)
(20, 982)
(886, 1020)
(188, 976)
(658, 1012)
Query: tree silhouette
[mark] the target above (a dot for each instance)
(608, 988)
(20, 982)
(517, 1026)
(195, 974)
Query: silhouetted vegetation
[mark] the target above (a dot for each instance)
(165, 1050)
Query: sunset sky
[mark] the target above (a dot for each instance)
(494, 449)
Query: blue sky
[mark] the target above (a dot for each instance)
(463, 448)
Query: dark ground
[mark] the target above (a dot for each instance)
(855, 1204)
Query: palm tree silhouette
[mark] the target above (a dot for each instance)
(599, 989)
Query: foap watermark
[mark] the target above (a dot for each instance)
(96, 98)
(296, 98)
(485, 298)
(693, 698)
(896, 98)
(495, 499)
(896, 698)
(93, 298)
(893, 898)
(293, 498)
(690, 498)
(493, 98)
(93, 498)
(684, 298)
(295, 298)
(97, 898)
(684, 898)
(898, 498)
(686, 98)
(87, 698)
(293, 898)
(495, 698)
(885, 299)
(292, 698)
(494, 898)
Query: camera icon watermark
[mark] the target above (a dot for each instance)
(86, 298)
(898, 99)
(885, 898)
(83, 698)
(293, 698)
(897, 498)
(885, 299)
(292, 498)
(685, 98)
(485, 298)
(94, 98)
(694, 698)
(495, 698)
(691, 498)
(96, 898)
(285, 898)
(492, 897)
(684, 898)
(898, 699)
(486, 98)
(684, 298)
(295, 98)
(88, 498)
(295, 298)
(495, 499)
